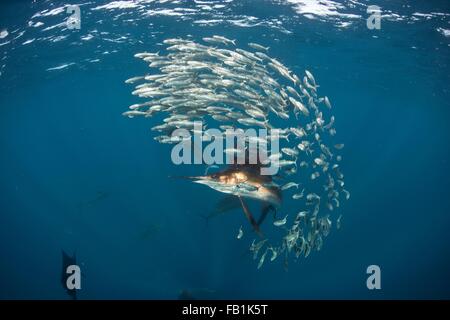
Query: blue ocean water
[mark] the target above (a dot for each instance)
(78, 176)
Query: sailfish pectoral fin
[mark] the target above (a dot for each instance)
(227, 204)
(250, 217)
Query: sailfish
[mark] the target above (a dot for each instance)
(244, 182)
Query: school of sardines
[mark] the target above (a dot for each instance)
(214, 81)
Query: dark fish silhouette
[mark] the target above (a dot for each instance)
(150, 231)
(101, 195)
(185, 295)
